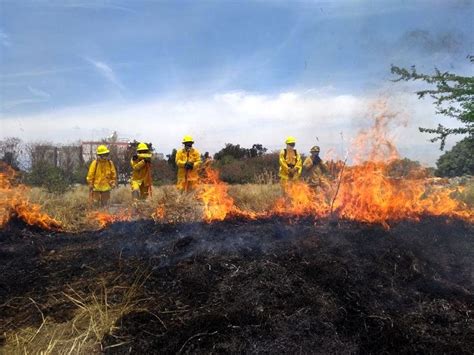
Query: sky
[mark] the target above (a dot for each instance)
(239, 72)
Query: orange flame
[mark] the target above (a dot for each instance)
(104, 218)
(366, 192)
(216, 201)
(159, 214)
(301, 199)
(14, 202)
(368, 195)
(213, 193)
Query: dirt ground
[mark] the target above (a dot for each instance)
(266, 286)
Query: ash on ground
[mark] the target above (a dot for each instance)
(267, 286)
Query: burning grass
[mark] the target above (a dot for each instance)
(363, 191)
(14, 202)
(366, 195)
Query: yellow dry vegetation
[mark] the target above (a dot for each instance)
(96, 316)
(73, 208)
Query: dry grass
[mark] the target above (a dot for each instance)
(95, 316)
(73, 208)
(70, 208)
(253, 197)
(167, 204)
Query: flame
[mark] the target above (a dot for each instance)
(300, 199)
(216, 201)
(362, 192)
(366, 193)
(214, 195)
(14, 202)
(159, 214)
(104, 218)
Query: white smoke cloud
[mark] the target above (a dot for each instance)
(236, 117)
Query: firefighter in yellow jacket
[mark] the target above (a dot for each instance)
(188, 161)
(317, 170)
(290, 163)
(101, 177)
(141, 181)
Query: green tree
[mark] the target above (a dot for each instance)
(453, 96)
(49, 177)
(171, 158)
(459, 160)
(231, 150)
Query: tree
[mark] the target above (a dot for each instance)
(231, 150)
(172, 159)
(10, 151)
(257, 150)
(458, 161)
(235, 151)
(453, 95)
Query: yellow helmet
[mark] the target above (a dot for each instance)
(142, 147)
(290, 140)
(315, 149)
(102, 149)
(188, 139)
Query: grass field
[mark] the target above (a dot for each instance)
(74, 210)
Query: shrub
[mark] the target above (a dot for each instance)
(458, 161)
(248, 170)
(49, 177)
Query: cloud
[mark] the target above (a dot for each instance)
(96, 5)
(4, 39)
(236, 117)
(39, 72)
(38, 96)
(107, 72)
(39, 93)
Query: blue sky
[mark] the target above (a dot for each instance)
(75, 66)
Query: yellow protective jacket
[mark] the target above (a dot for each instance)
(102, 175)
(141, 170)
(317, 172)
(191, 156)
(290, 157)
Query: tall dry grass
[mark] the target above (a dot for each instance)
(255, 197)
(96, 315)
(74, 209)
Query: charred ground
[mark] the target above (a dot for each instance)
(273, 285)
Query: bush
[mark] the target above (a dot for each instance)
(248, 170)
(406, 168)
(49, 177)
(458, 161)
(163, 173)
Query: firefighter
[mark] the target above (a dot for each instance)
(188, 161)
(317, 170)
(290, 163)
(101, 177)
(141, 181)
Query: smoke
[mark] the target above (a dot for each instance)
(432, 43)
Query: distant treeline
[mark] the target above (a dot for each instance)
(57, 168)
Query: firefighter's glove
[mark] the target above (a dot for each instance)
(189, 166)
(147, 160)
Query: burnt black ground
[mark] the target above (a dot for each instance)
(266, 286)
